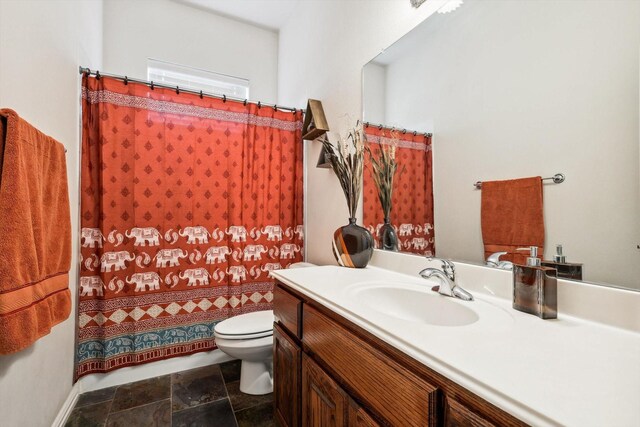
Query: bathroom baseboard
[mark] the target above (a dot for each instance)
(150, 370)
(67, 407)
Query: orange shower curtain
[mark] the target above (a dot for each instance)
(187, 203)
(412, 211)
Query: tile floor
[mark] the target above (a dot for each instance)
(208, 396)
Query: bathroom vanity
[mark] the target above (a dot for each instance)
(375, 347)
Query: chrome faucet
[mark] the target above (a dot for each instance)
(447, 278)
(494, 261)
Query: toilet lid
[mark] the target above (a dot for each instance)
(250, 325)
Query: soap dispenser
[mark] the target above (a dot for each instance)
(535, 287)
(566, 270)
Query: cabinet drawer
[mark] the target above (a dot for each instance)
(458, 415)
(287, 310)
(385, 387)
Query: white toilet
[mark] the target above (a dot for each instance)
(249, 337)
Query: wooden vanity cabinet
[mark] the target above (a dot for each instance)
(330, 372)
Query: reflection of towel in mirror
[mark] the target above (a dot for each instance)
(511, 215)
(35, 234)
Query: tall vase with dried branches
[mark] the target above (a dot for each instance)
(352, 244)
(383, 170)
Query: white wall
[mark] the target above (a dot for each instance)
(322, 51)
(516, 89)
(174, 32)
(41, 45)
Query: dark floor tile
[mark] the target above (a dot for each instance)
(197, 386)
(240, 401)
(214, 414)
(89, 415)
(156, 414)
(258, 416)
(141, 393)
(97, 396)
(231, 370)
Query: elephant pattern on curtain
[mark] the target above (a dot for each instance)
(412, 200)
(187, 204)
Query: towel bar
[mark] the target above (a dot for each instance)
(557, 179)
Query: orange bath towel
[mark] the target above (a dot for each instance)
(511, 216)
(35, 234)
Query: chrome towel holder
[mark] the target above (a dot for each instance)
(557, 179)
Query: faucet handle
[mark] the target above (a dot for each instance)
(447, 266)
(494, 258)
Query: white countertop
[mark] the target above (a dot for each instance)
(566, 371)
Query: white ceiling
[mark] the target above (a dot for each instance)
(271, 14)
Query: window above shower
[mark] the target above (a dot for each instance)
(197, 79)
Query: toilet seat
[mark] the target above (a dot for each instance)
(245, 344)
(247, 326)
(243, 337)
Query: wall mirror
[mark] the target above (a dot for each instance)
(512, 90)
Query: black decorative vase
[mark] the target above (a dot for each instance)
(352, 245)
(388, 237)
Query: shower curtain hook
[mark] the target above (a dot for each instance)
(177, 90)
(275, 107)
(404, 131)
(152, 85)
(295, 111)
(415, 133)
(200, 94)
(126, 80)
(224, 98)
(245, 102)
(98, 74)
(259, 106)
(88, 72)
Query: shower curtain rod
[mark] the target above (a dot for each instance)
(414, 132)
(178, 89)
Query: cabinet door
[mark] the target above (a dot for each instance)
(324, 403)
(286, 378)
(358, 417)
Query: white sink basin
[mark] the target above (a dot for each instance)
(419, 304)
(423, 306)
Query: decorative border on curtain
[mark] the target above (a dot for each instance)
(114, 98)
(187, 204)
(382, 140)
(412, 201)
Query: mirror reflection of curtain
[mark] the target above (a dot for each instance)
(412, 210)
(187, 204)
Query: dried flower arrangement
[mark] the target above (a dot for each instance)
(347, 160)
(383, 170)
